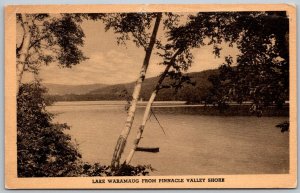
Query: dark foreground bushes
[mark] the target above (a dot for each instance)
(86, 169)
(44, 150)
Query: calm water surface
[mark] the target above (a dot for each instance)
(193, 144)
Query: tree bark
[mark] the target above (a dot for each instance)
(21, 61)
(119, 148)
(148, 107)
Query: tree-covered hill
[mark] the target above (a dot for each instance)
(118, 91)
(61, 89)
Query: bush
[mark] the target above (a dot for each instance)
(284, 126)
(86, 169)
(43, 148)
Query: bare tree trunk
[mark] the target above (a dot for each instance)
(24, 49)
(142, 126)
(119, 148)
(148, 107)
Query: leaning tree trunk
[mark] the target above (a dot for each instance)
(142, 126)
(148, 107)
(135, 96)
(23, 53)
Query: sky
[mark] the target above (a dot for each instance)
(110, 63)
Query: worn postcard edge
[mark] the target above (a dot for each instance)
(231, 181)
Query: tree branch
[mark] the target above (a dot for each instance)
(144, 45)
(37, 41)
(21, 45)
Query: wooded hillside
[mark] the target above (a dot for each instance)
(188, 93)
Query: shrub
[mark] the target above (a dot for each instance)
(86, 169)
(43, 149)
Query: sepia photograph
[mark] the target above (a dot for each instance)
(139, 96)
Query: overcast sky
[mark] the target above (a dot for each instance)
(109, 63)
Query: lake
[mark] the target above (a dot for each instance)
(193, 144)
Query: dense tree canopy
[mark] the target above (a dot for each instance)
(44, 39)
(261, 73)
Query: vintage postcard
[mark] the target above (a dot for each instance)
(150, 96)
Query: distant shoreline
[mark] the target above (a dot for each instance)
(115, 102)
(234, 109)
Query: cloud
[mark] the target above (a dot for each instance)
(109, 63)
(111, 67)
(122, 65)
